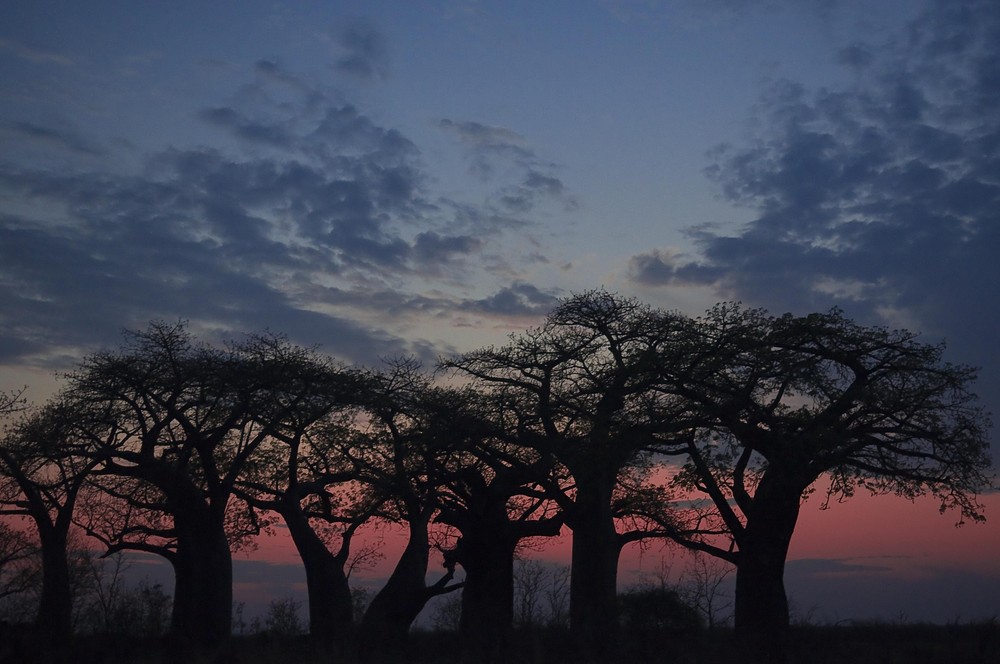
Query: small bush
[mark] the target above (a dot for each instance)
(648, 611)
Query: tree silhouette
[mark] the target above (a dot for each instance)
(17, 554)
(495, 497)
(582, 389)
(407, 443)
(44, 471)
(11, 402)
(791, 399)
(300, 474)
(182, 422)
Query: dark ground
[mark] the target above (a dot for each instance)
(977, 643)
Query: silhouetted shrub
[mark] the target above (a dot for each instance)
(650, 611)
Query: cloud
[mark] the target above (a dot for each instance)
(307, 217)
(36, 55)
(518, 299)
(486, 137)
(63, 138)
(490, 146)
(434, 251)
(365, 54)
(670, 267)
(495, 150)
(881, 195)
(246, 129)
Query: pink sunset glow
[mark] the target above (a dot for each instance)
(903, 556)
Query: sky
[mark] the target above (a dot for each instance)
(385, 178)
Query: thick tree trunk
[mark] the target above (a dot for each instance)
(594, 576)
(203, 582)
(330, 608)
(55, 608)
(486, 553)
(761, 607)
(383, 631)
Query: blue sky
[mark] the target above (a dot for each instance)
(426, 177)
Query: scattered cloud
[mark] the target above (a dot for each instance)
(313, 212)
(364, 50)
(64, 138)
(881, 194)
(496, 151)
(35, 55)
(488, 146)
(660, 267)
(518, 299)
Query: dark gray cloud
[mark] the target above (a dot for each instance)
(661, 266)
(492, 150)
(364, 50)
(437, 251)
(246, 129)
(488, 144)
(61, 138)
(881, 197)
(518, 299)
(307, 211)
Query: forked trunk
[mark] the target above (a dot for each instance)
(330, 608)
(384, 628)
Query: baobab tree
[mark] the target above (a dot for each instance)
(787, 400)
(400, 453)
(582, 388)
(43, 474)
(301, 474)
(181, 422)
(495, 496)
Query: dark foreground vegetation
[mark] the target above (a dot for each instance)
(614, 421)
(867, 643)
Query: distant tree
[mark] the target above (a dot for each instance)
(447, 613)
(793, 399)
(557, 596)
(703, 587)
(582, 388)
(541, 594)
(18, 554)
(656, 611)
(282, 618)
(112, 606)
(529, 583)
(107, 582)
